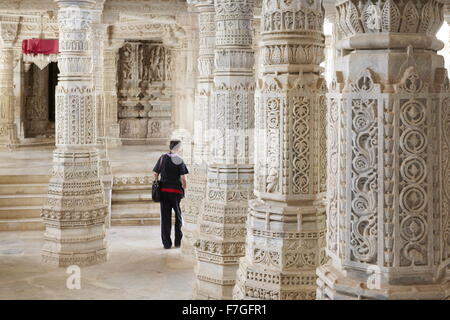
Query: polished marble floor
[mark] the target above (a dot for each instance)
(138, 268)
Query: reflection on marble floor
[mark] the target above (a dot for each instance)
(138, 268)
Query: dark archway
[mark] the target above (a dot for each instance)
(39, 101)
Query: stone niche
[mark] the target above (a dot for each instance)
(145, 95)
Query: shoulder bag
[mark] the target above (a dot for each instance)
(156, 189)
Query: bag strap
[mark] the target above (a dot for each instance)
(161, 163)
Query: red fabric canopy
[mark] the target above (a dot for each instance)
(40, 46)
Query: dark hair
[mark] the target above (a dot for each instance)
(173, 144)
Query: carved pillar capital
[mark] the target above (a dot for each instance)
(88, 4)
(9, 26)
(389, 24)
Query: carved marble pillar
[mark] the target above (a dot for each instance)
(230, 173)
(388, 206)
(331, 53)
(74, 213)
(447, 19)
(286, 223)
(205, 82)
(110, 60)
(193, 204)
(8, 35)
(98, 37)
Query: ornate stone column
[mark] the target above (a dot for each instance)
(98, 38)
(196, 192)
(388, 201)
(286, 223)
(98, 34)
(74, 214)
(110, 60)
(447, 19)
(230, 173)
(8, 35)
(330, 50)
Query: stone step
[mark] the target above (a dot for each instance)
(131, 202)
(20, 212)
(22, 200)
(131, 196)
(133, 187)
(31, 188)
(24, 179)
(136, 216)
(134, 221)
(21, 224)
(136, 207)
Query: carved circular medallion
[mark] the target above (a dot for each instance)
(413, 113)
(413, 198)
(413, 141)
(413, 169)
(413, 228)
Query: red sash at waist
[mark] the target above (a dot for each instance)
(171, 190)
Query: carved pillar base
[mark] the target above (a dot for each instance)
(8, 136)
(75, 211)
(192, 207)
(336, 285)
(222, 230)
(214, 281)
(285, 244)
(106, 177)
(107, 181)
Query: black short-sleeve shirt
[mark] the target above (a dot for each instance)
(171, 167)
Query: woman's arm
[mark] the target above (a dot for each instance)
(157, 168)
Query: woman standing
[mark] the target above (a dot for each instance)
(173, 173)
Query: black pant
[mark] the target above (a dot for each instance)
(168, 202)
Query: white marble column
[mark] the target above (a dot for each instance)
(286, 223)
(447, 19)
(388, 206)
(98, 39)
(193, 204)
(110, 82)
(8, 36)
(230, 172)
(331, 53)
(98, 35)
(75, 211)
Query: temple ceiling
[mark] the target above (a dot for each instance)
(113, 8)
